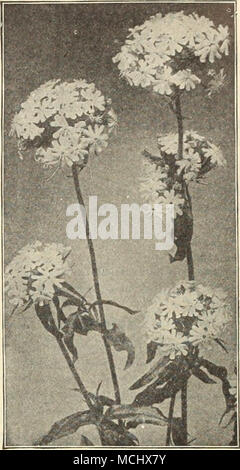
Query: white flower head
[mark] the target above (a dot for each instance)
(199, 155)
(35, 271)
(186, 316)
(156, 54)
(64, 122)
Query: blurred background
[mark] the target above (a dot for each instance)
(47, 41)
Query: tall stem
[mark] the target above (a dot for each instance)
(170, 418)
(58, 336)
(75, 374)
(190, 265)
(184, 412)
(97, 287)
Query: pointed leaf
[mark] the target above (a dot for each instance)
(67, 426)
(151, 374)
(157, 392)
(234, 441)
(85, 441)
(45, 316)
(201, 375)
(178, 432)
(221, 373)
(113, 434)
(74, 291)
(114, 304)
(80, 323)
(121, 342)
(60, 314)
(183, 231)
(70, 303)
(137, 415)
(101, 400)
(151, 351)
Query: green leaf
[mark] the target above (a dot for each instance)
(121, 342)
(151, 374)
(67, 426)
(201, 375)
(85, 441)
(137, 415)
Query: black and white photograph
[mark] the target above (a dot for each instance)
(119, 225)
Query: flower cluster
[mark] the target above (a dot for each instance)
(162, 175)
(187, 316)
(166, 52)
(31, 277)
(64, 122)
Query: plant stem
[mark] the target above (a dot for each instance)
(184, 411)
(70, 363)
(75, 374)
(170, 417)
(190, 265)
(97, 287)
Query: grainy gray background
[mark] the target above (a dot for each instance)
(43, 42)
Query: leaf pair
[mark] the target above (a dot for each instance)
(170, 380)
(67, 426)
(110, 433)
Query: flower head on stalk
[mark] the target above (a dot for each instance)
(33, 274)
(156, 55)
(160, 179)
(64, 123)
(186, 316)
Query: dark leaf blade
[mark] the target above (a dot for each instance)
(113, 434)
(234, 441)
(201, 375)
(45, 316)
(114, 304)
(152, 374)
(151, 351)
(70, 303)
(67, 426)
(74, 291)
(162, 388)
(183, 231)
(178, 432)
(221, 373)
(60, 315)
(85, 441)
(121, 342)
(137, 415)
(80, 323)
(69, 330)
